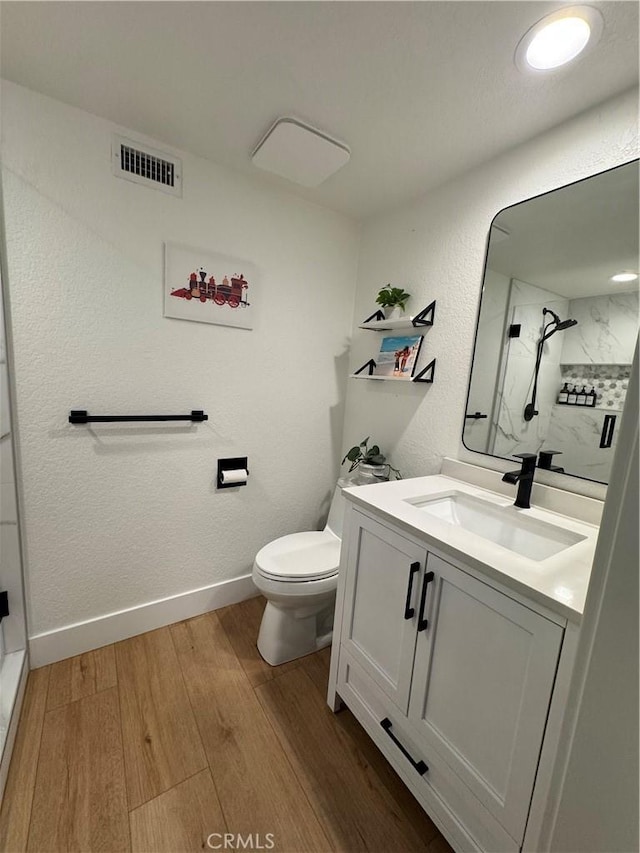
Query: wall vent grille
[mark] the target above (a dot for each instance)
(144, 165)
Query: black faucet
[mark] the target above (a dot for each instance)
(546, 459)
(524, 479)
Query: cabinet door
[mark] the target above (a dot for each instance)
(482, 682)
(384, 575)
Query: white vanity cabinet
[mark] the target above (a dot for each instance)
(379, 623)
(450, 676)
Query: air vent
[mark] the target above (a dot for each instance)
(146, 166)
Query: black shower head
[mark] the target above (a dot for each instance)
(565, 324)
(560, 325)
(556, 325)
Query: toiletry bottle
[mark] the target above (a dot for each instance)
(581, 397)
(571, 396)
(564, 394)
(592, 398)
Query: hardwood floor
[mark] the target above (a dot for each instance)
(160, 737)
(252, 773)
(185, 736)
(81, 676)
(80, 800)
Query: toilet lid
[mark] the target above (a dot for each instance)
(300, 556)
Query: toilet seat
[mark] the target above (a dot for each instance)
(309, 556)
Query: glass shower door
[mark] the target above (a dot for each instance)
(12, 624)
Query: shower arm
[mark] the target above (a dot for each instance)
(530, 410)
(559, 325)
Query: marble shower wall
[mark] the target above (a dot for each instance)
(575, 432)
(597, 352)
(511, 433)
(606, 332)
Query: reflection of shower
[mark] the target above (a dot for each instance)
(559, 325)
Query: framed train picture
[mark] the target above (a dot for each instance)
(207, 287)
(398, 356)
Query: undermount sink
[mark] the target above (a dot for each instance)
(502, 525)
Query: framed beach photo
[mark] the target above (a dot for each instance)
(398, 356)
(207, 287)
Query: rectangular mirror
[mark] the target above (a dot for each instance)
(558, 325)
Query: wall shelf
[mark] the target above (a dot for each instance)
(379, 378)
(425, 375)
(377, 322)
(387, 325)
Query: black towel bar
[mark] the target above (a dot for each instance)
(80, 416)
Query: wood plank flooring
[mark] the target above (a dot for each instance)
(185, 734)
(160, 737)
(80, 800)
(82, 676)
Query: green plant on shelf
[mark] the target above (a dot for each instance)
(392, 297)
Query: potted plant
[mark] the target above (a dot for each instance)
(393, 301)
(370, 463)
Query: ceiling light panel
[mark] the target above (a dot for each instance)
(300, 153)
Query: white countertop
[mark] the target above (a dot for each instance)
(558, 582)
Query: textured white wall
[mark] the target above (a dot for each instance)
(435, 249)
(118, 516)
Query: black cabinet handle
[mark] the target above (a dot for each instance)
(607, 431)
(4, 604)
(420, 766)
(476, 416)
(408, 609)
(422, 622)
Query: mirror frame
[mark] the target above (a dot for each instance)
(484, 273)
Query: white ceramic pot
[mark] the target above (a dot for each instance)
(394, 313)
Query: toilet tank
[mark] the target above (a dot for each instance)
(336, 513)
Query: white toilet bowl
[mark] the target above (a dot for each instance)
(298, 575)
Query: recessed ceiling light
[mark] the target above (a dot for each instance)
(558, 38)
(624, 276)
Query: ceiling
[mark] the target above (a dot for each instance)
(420, 91)
(572, 240)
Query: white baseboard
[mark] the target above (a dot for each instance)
(94, 633)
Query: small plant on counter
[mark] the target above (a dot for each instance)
(393, 297)
(362, 454)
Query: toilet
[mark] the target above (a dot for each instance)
(298, 575)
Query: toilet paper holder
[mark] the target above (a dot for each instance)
(235, 463)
